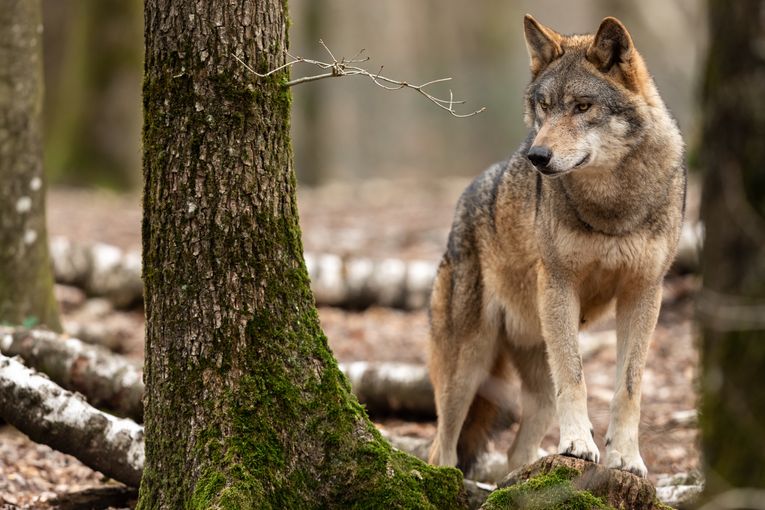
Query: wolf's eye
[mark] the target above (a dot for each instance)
(544, 106)
(583, 107)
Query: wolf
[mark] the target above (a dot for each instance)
(586, 214)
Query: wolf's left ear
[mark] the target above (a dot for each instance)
(612, 49)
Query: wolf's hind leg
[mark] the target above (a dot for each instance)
(537, 401)
(456, 377)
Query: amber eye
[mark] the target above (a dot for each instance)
(544, 106)
(583, 107)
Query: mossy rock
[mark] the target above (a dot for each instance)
(566, 483)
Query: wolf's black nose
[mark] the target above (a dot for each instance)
(539, 155)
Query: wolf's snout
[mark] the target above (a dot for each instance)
(539, 155)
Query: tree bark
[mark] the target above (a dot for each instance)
(245, 404)
(733, 209)
(63, 420)
(26, 280)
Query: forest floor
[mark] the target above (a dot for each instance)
(408, 220)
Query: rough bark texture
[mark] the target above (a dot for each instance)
(732, 302)
(562, 482)
(105, 379)
(246, 407)
(26, 280)
(63, 420)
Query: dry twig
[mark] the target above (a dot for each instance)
(348, 67)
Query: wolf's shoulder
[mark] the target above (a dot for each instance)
(510, 181)
(514, 176)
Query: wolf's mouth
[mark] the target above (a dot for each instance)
(582, 162)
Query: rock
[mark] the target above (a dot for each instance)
(556, 481)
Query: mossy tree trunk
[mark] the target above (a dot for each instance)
(732, 304)
(245, 405)
(26, 279)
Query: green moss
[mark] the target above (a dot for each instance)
(306, 452)
(208, 487)
(550, 491)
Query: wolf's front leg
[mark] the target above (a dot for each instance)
(559, 316)
(637, 309)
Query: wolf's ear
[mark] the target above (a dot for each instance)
(543, 44)
(612, 47)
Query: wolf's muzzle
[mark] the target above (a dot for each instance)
(539, 155)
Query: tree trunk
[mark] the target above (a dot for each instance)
(26, 279)
(733, 209)
(245, 404)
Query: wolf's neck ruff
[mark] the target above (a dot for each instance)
(613, 201)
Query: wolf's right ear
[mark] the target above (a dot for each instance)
(543, 44)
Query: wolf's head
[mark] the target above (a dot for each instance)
(586, 99)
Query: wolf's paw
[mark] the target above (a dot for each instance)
(632, 463)
(582, 448)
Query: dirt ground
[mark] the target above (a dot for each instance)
(379, 219)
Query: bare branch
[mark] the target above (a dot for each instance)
(347, 67)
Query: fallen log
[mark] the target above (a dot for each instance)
(97, 497)
(114, 382)
(347, 282)
(355, 282)
(105, 379)
(63, 420)
(392, 388)
(681, 490)
(99, 269)
(95, 322)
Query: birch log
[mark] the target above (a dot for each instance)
(50, 415)
(346, 282)
(105, 379)
(114, 382)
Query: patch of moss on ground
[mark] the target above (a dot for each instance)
(550, 491)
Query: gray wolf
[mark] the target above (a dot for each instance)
(587, 213)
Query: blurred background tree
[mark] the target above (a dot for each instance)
(347, 129)
(93, 67)
(26, 279)
(731, 305)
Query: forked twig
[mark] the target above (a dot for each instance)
(348, 67)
